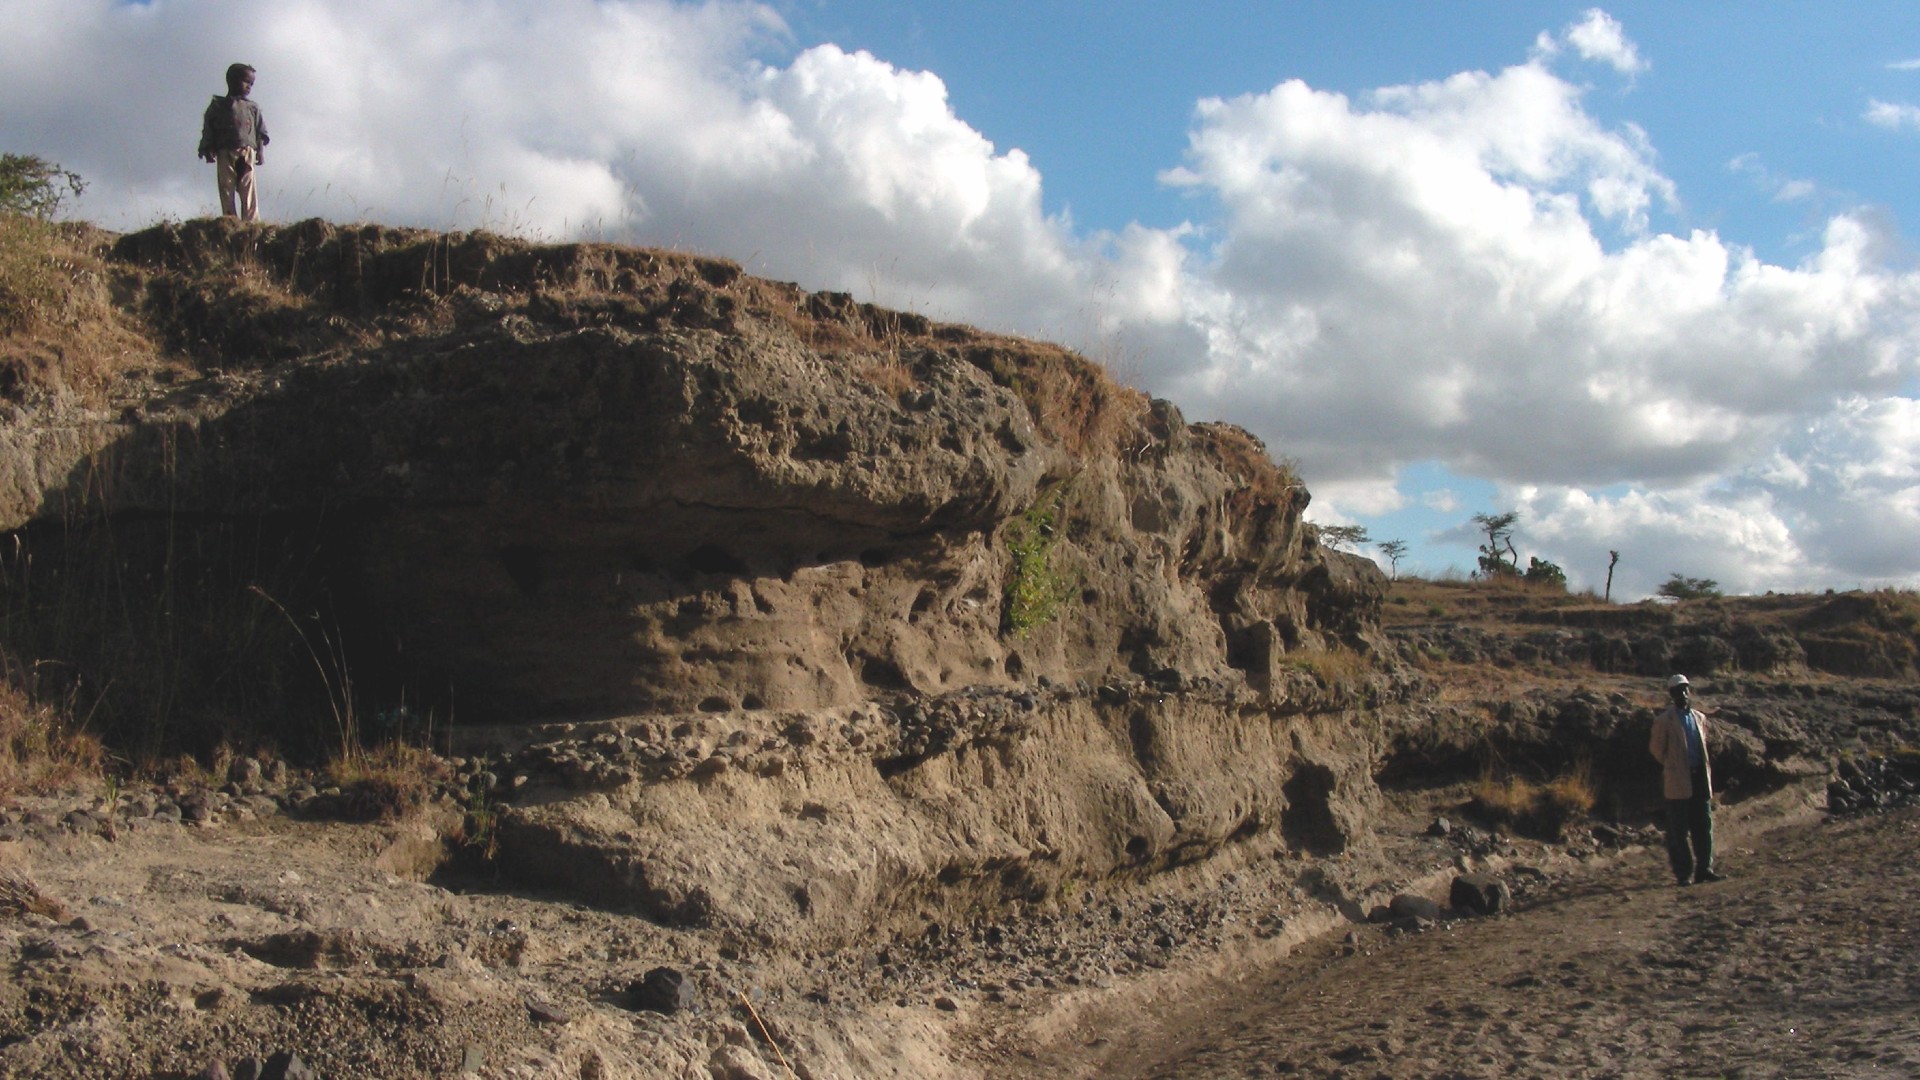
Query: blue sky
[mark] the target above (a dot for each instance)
(1642, 272)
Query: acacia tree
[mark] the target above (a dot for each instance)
(1682, 587)
(34, 186)
(1497, 556)
(1394, 550)
(1341, 536)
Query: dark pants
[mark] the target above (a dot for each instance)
(1690, 831)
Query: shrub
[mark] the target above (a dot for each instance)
(1035, 587)
(1543, 573)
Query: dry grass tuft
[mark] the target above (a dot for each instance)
(20, 896)
(40, 748)
(61, 329)
(388, 783)
(1542, 810)
(1339, 670)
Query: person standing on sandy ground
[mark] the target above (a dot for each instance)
(233, 136)
(1680, 746)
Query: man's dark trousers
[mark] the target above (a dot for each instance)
(1690, 830)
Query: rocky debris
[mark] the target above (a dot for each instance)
(545, 1011)
(1480, 894)
(663, 990)
(1864, 782)
(262, 789)
(282, 1065)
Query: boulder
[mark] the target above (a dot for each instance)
(1413, 906)
(1481, 894)
(663, 990)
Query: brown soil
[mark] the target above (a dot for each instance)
(1804, 963)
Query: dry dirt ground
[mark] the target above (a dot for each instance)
(175, 947)
(1804, 963)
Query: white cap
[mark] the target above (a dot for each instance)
(1677, 680)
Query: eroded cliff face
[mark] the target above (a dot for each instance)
(871, 616)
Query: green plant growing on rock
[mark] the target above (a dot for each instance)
(1035, 587)
(480, 832)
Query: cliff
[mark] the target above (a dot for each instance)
(878, 616)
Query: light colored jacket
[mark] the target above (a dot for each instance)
(1669, 748)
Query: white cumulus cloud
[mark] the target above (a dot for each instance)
(1599, 37)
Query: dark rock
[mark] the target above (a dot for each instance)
(286, 1065)
(546, 1012)
(215, 1071)
(1414, 906)
(248, 1069)
(1482, 894)
(663, 990)
(1440, 827)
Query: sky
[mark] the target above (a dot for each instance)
(1640, 273)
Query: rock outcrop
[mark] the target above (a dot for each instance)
(895, 617)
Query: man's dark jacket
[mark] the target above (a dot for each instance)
(233, 123)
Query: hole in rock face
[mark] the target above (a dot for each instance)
(873, 558)
(715, 704)
(884, 674)
(1136, 847)
(1307, 823)
(1015, 666)
(714, 559)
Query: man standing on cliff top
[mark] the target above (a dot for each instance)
(233, 136)
(1680, 746)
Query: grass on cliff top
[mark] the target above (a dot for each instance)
(79, 305)
(62, 329)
